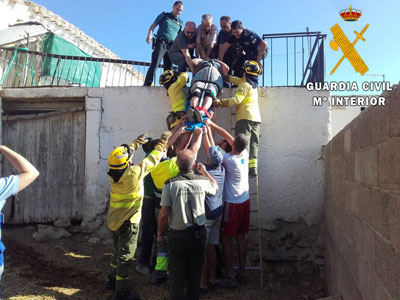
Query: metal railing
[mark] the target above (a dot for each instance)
(292, 61)
(21, 67)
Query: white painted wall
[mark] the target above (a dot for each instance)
(290, 165)
(341, 116)
(291, 168)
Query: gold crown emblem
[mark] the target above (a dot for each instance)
(350, 14)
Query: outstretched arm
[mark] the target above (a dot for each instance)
(196, 140)
(27, 173)
(263, 46)
(207, 142)
(222, 49)
(222, 132)
(224, 67)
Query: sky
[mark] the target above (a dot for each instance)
(122, 27)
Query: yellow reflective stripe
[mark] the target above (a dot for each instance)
(179, 106)
(124, 201)
(121, 278)
(124, 197)
(156, 152)
(125, 204)
(252, 163)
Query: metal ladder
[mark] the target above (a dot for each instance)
(253, 189)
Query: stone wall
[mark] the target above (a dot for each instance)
(362, 205)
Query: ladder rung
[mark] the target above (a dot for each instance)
(253, 193)
(253, 210)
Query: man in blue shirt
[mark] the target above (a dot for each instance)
(214, 210)
(11, 185)
(254, 47)
(234, 54)
(169, 25)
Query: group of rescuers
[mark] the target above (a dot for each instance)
(194, 202)
(181, 205)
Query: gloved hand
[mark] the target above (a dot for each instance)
(140, 140)
(217, 103)
(164, 139)
(165, 136)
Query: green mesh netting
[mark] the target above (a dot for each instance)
(80, 72)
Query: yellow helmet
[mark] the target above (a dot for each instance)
(166, 77)
(119, 157)
(252, 67)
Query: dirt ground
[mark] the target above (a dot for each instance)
(72, 269)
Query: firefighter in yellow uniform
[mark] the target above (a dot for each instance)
(175, 85)
(248, 118)
(126, 181)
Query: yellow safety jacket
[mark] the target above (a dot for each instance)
(127, 193)
(177, 96)
(164, 171)
(245, 99)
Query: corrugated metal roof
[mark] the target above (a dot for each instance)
(20, 32)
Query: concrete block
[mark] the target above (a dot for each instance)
(358, 195)
(348, 186)
(95, 92)
(354, 135)
(383, 294)
(338, 190)
(347, 140)
(394, 115)
(380, 121)
(347, 283)
(349, 166)
(336, 168)
(338, 144)
(386, 265)
(366, 167)
(351, 258)
(331, 270)
(327, 165)
(93, 104)
(356, 235)
(328, 188)
(393, 211)
(389, 164)
(45, 93)
(398, 274)
(366, 281)
(374, 211)
(364, 131)
(368, 245)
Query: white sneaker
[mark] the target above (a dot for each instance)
(143, 269)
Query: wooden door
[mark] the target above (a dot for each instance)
(55, 143)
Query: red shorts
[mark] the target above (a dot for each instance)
(236, 218)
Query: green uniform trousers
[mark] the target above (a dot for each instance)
(186, 255)
(125, 242)
(252, 131)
